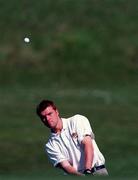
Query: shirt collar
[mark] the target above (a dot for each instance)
(64, 127)
(64, 123)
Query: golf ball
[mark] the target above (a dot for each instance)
(26, 39)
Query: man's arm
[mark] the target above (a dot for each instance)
(68, 168)
(88, 151)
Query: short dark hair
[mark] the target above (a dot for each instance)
(43, 105)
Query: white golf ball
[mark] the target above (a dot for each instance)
(26, 39)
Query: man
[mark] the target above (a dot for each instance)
(72, 145)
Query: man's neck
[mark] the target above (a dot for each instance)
(58, 128)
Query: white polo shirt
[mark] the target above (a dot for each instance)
(67, 145)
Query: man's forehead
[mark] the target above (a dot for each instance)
(47, 110)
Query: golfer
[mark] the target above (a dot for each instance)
(72, 145)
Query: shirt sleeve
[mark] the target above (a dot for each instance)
(54, 154)
(83, 127)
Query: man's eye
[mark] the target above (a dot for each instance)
(50, 114)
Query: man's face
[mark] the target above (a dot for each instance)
(50, 117)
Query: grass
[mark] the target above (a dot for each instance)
(114, 122)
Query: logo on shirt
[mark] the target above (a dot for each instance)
(74, 135)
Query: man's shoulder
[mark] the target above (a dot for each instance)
(76, 117)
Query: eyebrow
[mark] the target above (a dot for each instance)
(49, 113)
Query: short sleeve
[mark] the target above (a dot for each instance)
(82, 127)
(54, 155)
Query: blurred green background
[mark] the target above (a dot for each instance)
(82, 54)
